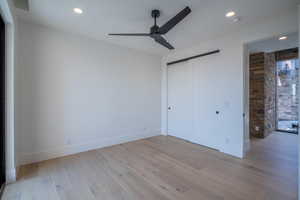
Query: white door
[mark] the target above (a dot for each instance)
(180, 101)
(207, 109)
(194, 113)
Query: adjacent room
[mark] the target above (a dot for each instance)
(273, 102)
(155, 100)
(274, 83)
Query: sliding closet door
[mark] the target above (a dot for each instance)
(206, 108)
(193, 99)
(180, 101)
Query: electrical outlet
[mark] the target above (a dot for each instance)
(257, 128)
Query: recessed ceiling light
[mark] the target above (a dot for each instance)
(230, 14)
(283, 38)
(77, 10)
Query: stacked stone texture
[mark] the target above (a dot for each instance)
(270, 94)
(257, 90)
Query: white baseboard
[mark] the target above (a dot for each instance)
(11, 175)
(27, 158)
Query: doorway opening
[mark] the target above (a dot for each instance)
(287, 98)
(271, 106)
(273, 86)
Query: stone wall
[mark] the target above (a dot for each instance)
(256, 86)
(270, 94)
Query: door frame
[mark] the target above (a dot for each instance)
(246, 63)
(3, 104)
(7, 15)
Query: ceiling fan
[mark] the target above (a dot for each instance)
(156, 32)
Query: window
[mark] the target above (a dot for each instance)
(286, 95)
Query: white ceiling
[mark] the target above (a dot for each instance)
(273, 44)
(207, 21)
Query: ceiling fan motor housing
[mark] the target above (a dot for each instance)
(155, 13)
(154, 29)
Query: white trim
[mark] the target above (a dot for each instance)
(247, 146)
(27, 158)
(9, 90)
(246, 100)
(164, 98)
(9, 118)
(11, 175)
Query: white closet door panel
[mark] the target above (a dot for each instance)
(206, 89)
(180, 101)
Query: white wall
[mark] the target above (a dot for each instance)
(10, 60)
(232, 90)
(74, 94)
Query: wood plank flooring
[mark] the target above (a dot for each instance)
(165, 168)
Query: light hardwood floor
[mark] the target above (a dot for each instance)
(164, 168)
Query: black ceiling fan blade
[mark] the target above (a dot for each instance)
(174, 21)
(159, 39)
(129, 34)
